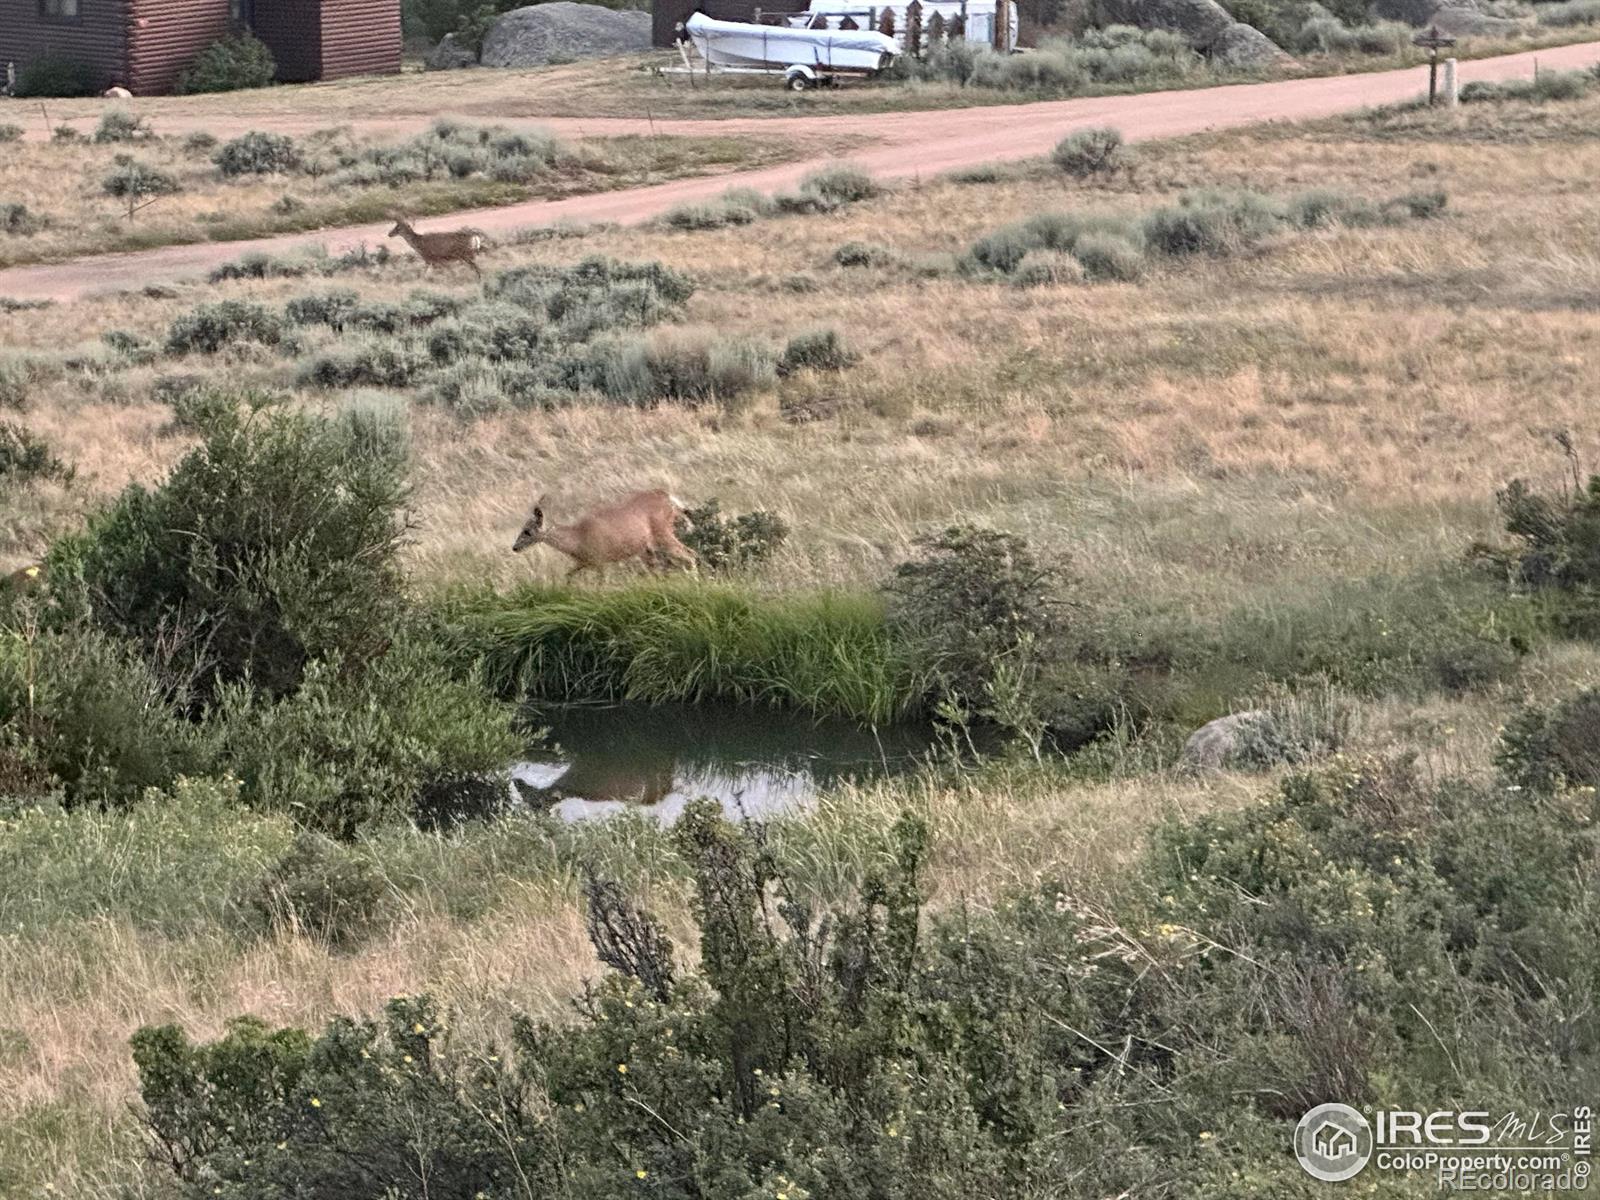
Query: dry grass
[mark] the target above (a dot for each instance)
(61, 183)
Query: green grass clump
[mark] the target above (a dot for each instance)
(826, 653)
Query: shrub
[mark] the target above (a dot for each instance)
(18, 220)
(25, 458)
(1570, 12)
(359, 743)
(137, 183)
(260, 266)
(722, 544)
(970, 600)
(199, 143)
(200, 407)
(92, 714)
(332, 309)
(1548, 748)
(1211, 222)
(273, 543)
(1423, 206)
(321, 888)
(120, 125)
(53, 75)
(1090, 152)
(210, 327)
(1046, 268)
(257, 153)
(828, 190)
(10, 133)
(370, 362)
(816, 350)
(229, 65)
(1557, 538)
(1109, 256)
(865, 254)
(737, 206)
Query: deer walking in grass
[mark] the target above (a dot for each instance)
(436, 249)
(637, 526)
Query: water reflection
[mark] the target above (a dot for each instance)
(655, 759)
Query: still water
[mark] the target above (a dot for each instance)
(655, 759)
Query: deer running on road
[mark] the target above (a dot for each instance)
(436, 249)
(635, 527)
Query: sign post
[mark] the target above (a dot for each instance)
(1433, 41)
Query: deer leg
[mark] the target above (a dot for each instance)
(576, 569)
(680, 553)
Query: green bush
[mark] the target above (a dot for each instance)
(1109, 256)
(229, 65)
(828, 190)
(272, 544)
(93, 715)
(1090, 152)
(722, 544)
(816, 350)
(321, 888)
(138, 184)
(1046, 268)
(10, 133)
(396, 738)
(210, 327)
(56, 75)
(120, 125)
(970, 600)
(1557, 538)
(371, 362)
(257, 153)
(1547, 748)
(865, 254)
(25, 458)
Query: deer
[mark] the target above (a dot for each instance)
(436, 249)
(636, 526)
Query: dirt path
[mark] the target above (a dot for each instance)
(907, 144)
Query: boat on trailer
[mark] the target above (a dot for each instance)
(804, 57)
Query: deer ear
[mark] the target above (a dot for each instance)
(537, 519)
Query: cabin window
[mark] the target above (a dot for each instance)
(58, 10)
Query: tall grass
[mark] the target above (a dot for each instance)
(827, 653)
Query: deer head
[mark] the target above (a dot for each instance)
(401, 227)
(532, 531)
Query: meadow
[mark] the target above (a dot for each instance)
(1255, 433)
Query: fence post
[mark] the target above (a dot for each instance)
(1452, 94)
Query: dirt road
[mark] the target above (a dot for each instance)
(906, 144)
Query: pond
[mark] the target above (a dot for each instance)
(653, 760)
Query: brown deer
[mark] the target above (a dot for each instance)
(436, 249)
(635, 527)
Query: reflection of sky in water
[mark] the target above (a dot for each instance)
(753, 792)
(753, 762)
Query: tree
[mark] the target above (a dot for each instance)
(137, 183)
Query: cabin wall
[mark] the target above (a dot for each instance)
(360, 37)
(98, 37)
(164, 36)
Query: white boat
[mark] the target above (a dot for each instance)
(795, 53)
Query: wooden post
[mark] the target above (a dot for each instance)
(1434, 41)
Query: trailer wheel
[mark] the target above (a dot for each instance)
(796, 82)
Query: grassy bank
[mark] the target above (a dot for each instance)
(825, 653)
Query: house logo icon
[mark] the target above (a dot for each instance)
(1333, 1142)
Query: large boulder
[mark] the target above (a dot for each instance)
(1246, 48)
(562, 31)
(1458, 21)
(1229, 741)
(1202, 22)
(449, 55)
(1205, 24)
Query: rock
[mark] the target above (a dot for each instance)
(1202, 22)
(562, 31)
(1246, 47)
(450, 55)
(1461, 21)
(1205, 24)
(1219, 743)
(117, 93)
